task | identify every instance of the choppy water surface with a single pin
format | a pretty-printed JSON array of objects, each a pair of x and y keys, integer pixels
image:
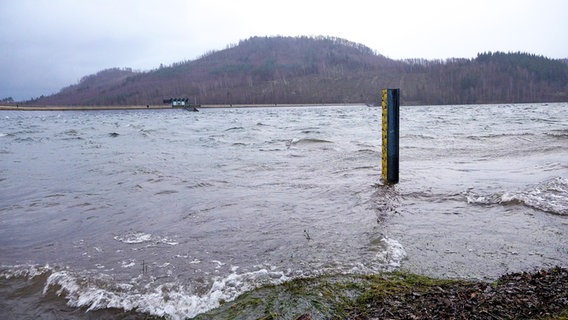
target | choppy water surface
[{"x": 169, "y": 212}]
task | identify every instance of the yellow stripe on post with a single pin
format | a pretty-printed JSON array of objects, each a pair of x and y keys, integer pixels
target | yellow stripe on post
[{"x": 384, "y": 106}]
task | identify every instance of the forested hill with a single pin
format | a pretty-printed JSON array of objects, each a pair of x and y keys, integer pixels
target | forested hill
[{"x": 282, "y": 70}]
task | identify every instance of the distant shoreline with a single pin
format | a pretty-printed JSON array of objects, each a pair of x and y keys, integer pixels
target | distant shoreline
[
  {"x": 161, "y": 107},
  {"x": 220, "y": 106}
]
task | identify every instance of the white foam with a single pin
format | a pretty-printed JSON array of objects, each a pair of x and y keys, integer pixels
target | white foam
[
  {"x": 219, "y": 263},
  {"x": 168, "y": 300},
  {"x": 141, "y": 237},
  {"x": 550, "y": 195},
  {"x": 18, "y": 271},
  {"x": 132, "y": 238},
  {"x": 173, "y": 300},
  {"x": 393, "y": 253},
  {"x": 169, "y": 241}
]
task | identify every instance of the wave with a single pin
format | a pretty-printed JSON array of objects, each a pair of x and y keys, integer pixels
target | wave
[
  {"x": 410, "y": 136},
  {"x": 235, "y": 128},
  {"x": 306, "y": 141},
  {"x": 548, "y": 196},
  {"x": 145, "y": 295},
  {"x": 309, "y": 140},
  {"x": 170, "y": 300},
  {"x": 393, "y": 253},
  {"x": 561, "y": 134},
  {"x": 519, "y": 135},
  {"x": 141, "y": 237}
]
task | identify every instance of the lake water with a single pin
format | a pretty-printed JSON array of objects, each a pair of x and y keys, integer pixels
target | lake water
[{"x": 170, "y": 213}]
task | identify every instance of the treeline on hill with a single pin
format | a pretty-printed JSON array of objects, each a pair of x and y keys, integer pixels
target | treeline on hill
[{"x": 297, "y": 70}]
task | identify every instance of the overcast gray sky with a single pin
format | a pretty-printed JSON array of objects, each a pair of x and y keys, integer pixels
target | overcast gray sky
[{"x": 46, "y": 45}]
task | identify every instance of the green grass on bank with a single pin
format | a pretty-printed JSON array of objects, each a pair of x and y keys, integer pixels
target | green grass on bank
[{"x": 401, "y": 295}]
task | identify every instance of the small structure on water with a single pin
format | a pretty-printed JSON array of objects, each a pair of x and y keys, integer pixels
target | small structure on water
[{"x": 182, "y": 103}]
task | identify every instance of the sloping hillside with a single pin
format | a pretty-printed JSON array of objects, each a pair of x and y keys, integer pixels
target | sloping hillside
[{"x": 276, "y": 70}]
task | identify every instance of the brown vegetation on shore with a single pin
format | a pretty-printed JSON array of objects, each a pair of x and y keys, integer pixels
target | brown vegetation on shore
[
  {"x": 307, "y": 70},
  {"x": 539, "y": 295}
]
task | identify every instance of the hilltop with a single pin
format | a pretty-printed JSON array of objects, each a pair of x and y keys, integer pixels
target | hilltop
[{"x": 298, "y": 70}]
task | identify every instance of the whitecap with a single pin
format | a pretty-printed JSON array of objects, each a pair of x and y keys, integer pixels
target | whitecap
[
  {"x": 550, "y": 195},
  {"x": 169, "y": 300},
  {"x": 219, "y": 263},
  {"x": 169, "y": 241},
  {"x": 132, "y": 238},
  {"x": 25, "y": 271},
  {"x": 392, "y": 254},
  {"x": 474, "y": 198},
  {"x": 141, "y": 237}
]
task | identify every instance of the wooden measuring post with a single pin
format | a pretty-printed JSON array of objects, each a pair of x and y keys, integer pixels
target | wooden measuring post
[{"x": 390, "y": 107}]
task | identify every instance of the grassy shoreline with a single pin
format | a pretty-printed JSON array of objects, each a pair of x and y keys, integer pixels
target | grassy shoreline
[{"x": 541, "y": 294}]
